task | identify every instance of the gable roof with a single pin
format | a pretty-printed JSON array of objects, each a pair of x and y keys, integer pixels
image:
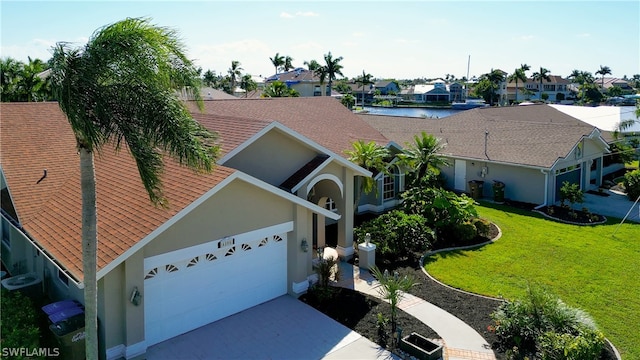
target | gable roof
[
  {"x": 294, "y": 76},
  {"x": 533, "y": 136},
  {"x": 37, "y": 136},
  {"x": 322, "y": 119}
]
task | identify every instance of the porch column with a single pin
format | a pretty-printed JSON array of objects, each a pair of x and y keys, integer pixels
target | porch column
[{"x": 345, "y": 224}]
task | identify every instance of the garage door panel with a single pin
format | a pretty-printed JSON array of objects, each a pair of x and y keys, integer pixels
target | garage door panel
[{"x": 179, "y": 301}]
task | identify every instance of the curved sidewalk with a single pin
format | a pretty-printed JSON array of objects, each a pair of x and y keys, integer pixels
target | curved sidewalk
[{"x": 461, "y": 341}]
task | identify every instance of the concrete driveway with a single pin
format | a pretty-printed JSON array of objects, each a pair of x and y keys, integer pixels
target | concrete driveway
[
  {"x": 615, "y": 205},
  {"x": 283, "y": 328}
]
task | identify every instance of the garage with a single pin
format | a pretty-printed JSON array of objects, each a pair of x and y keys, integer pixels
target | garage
[
  {"x": 192, "y": 287},
  {"x": 570, "y": 174}
]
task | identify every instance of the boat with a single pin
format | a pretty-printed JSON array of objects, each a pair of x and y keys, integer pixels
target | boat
[{"x": 469, "y": 104}]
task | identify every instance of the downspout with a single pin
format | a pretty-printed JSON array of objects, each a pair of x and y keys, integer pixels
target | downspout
[{"x": 546, "y": 189}]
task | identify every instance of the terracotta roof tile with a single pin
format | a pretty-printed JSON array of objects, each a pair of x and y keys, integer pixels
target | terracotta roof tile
[{"x": 36, "y": 136}]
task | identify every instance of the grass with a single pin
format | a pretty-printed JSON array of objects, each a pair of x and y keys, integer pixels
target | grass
[{"x": 585, "y": 266}]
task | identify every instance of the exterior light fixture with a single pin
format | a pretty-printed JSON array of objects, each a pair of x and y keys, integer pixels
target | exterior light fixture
[
  {"x": 135, "y": 297},
  {"x": 304, "y": 245}
]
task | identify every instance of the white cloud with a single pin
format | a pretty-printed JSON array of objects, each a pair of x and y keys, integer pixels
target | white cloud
[
  {"x": 527, "y": 37},
  {"x": 358, "y": 34},
  {"x": 286, "y": 15},
  {"x": 584, "y": 35}
]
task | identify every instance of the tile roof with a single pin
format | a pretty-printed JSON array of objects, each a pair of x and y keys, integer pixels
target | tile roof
[
  {"x": 525, "y": 135},
  {"x": 37, "y": 136},
  {"x": 322, "y": 119}
]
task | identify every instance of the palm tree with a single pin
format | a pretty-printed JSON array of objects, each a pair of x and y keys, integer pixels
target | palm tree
[
  {"x": 234, "y": 72},
  {"x": 495, "y": 77},
  {"x": 519, "y": 74},
  {"x": 372, "y": 157},
  {"x": 287, "y": 63},
  {"x": 543, "y": 74},
  {"x": 423, "y": 156},
  {"x": 277, "y": 60},
  {"x": 604, "y": 70},
  {"x": 247, "y": 84},
  {"x": 364, "y": 80},
  {"x": 332, "y": 68},
  {"x": 10, "y": 70},
  {"x": 279, "y": 89},
  {"x": 312, "y": 65},
  {"x": 393, "y": 288},
  {"x": 103, "y": 89},
  {"x": 322, "y": 73}
]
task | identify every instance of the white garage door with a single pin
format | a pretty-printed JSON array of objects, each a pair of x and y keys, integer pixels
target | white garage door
[{"x": 192, "y": 287}]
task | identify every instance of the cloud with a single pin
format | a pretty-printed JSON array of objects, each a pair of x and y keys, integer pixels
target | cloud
[
  {"x": 287, "y": 15},
  {"x": 584, "y": 35},
  {"x": 527, "y": 37},
  {"x": 357, "y": 34}
]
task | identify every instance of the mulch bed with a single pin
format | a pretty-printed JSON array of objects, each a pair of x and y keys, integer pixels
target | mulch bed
[
  {"x": 568, "y": 215},
  {"x": 359, "y": 312}
]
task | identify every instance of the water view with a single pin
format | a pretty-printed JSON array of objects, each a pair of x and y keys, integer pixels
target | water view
[{"x": 412, "y": 112}]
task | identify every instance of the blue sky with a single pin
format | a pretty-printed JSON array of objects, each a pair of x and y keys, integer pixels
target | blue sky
[{"x": 388, "y": 39}]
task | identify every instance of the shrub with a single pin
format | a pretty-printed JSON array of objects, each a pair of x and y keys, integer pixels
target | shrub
[
  {"x": 443, "y": 209},
  {"x": 632, "y": 184},
  {"x": 542, "y": 326},
  {"x": 483, "y": 227},
  {"x": 463, "y": 233},
  {"x": 398, "y": 234},
  {"x": 327, "y": 269},
  {"x": 571, "y": 193},
  {"x": 19, "y": 321}
]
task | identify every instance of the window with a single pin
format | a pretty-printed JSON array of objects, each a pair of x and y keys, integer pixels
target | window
[
  {"x": 388, "y": 188},
  {"x": 330, "y": 205},
  {"x": 6, "y": 233},
  {"x": 63, "y": 277}
]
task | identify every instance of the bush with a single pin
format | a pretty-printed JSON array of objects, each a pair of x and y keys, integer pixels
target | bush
[
  {"x": 443, "y": 209},
  {"x": 571, "y": 192},
  {"x": 483, "y": 227},
  {"x": 542, "y": 326},
  {"x": 631, "y": 184},
  {"x": 463, "y": 233},
  {"x": 398, "y": 234},
  {"x": 19, "y": 321}
]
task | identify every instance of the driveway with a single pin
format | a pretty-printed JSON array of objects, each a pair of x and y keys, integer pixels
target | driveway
[
  {"x": 283, "y": 328},
  {"x": 615, "y": 205}
]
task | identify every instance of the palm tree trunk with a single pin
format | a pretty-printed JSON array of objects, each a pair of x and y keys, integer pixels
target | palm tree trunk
[
  {"x": 89, "y": 251},
  {"x": 516, "y": 100}
]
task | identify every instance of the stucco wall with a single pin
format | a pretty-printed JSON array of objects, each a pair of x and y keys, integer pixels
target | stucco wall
[
  {"x": 238, "y": 208},
  {"x": 272, "y": 158}
]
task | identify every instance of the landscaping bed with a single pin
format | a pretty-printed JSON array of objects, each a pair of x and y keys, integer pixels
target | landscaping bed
[{"x": 359, "y": 312}]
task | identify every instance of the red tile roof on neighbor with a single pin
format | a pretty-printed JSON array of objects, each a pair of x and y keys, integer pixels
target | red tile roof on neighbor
[
  {"x": 37, "y": 136},
  {"x": 322, "y": 119},
  {"x": 535, "y": 135}
]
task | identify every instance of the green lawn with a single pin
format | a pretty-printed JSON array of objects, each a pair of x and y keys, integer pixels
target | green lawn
[{"x": 585, "y": 266}]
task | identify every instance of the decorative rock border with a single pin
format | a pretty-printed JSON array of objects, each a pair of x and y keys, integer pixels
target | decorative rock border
[{"x": 469, "y": 247}]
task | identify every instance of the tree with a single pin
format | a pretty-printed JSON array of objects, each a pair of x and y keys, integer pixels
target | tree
[
  {"x": 287, "y": 63},
  {"x": 312, "y": 65},
  {"x": 10, "y": 70},
  {"x": 247, "y": 84},
  {"x": 615, "y": 91},
  {"x": 235, "y": 71},
  {"x": 348, "y": 100},
  {"x": 392, "y": 289},
  {"x": 519, "y": 74},
  {"x": 604, "y": 70},
  {"x": 371, "y": 156},
  {"x": 543, "y": 74},
  {"x": 279, "y": 89},
  {"x": 277, "y": 60},
  {"x": 31, "y": 85},
  {"x": 209, "y": 78},
  {"x": 125, "y": 96},
  {"x": 364, "y": 80},
  {"x": 332, "y": 68},
  {"x": 423, "y": 156}
]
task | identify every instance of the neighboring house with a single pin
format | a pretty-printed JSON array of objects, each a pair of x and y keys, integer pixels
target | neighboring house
[
  {"x": 229, "y": 240},
  {"x": 532, "y": 149},
  {"x": 305, "y": 82},
  {"x": 611, "y": 82},
  {"x": 435, "y": 92},
  {"x": 457, "y": 92},
  {"x": 556, "y": 86},
  {"x": 387, "y": 87}
]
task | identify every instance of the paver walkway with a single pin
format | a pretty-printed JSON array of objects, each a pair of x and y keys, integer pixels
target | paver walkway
[{"x": 461, "y": 341}]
